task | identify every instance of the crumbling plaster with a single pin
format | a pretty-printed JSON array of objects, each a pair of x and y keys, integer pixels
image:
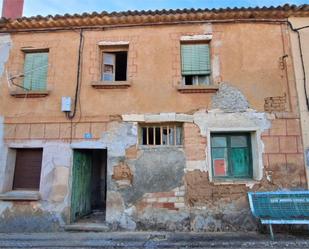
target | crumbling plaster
[{"x": 51, "y": 211}]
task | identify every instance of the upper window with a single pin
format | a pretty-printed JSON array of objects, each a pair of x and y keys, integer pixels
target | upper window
[
  {"x": 35, "y": 71},
  {"x": 114, "y": 64},
  {"x": 231, "y": 155},
  {"x": 161, "y": 134},
  {"x": 195, "y": 64},
  {"x": 27, "y": 172}
]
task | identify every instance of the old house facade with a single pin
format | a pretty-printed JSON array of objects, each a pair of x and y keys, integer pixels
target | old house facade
[{"x": 174, "y": 117}]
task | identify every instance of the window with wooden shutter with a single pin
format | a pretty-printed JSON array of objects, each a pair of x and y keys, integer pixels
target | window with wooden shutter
[
  {"x": 35, "y": 71},
  {"x": 231, "y": 155},
  {"x": 27, "y": 173},
  {"x": 195, "y": 64}
]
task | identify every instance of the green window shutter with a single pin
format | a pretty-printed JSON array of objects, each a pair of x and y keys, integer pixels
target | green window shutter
[
  {"x": 35, "y": 71},
  {"x": 195, "y": 59}
]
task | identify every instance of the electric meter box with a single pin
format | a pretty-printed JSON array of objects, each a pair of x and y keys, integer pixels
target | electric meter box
[{"x": 66, "y": 104}]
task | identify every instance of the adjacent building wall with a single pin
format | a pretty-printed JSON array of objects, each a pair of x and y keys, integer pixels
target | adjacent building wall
[{"x": 299, "y": 74}]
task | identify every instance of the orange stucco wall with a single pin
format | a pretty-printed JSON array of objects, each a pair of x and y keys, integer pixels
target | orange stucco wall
[{"x": 244, "y": 55}]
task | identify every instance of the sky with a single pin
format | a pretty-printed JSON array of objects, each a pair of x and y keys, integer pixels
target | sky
[{"x": 46, "y": 7}]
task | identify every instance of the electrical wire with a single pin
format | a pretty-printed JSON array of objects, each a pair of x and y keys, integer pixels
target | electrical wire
[
  {"x": 301, "y": 58},
  {"x": 71, "y": 115}
]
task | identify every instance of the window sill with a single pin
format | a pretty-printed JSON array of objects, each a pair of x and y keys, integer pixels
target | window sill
[
  {"x": 234, "y": 181},
  {"x": 29, "y": 94},
  {"x": 153, "y": 147},
  {"x": 111, "y": 84},
  {"x": 20, "y": 195},
  {"x": 198, "y": 89}
]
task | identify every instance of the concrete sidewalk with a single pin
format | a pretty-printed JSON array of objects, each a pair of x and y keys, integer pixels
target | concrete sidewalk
[{"x": 151, "y": 240}]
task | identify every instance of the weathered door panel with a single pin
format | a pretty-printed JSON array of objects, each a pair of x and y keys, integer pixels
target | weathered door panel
[{"x": 81, "y": 184}]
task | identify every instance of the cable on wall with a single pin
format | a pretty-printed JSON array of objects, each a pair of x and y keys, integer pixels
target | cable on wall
[{"x": 71, "y": 115}]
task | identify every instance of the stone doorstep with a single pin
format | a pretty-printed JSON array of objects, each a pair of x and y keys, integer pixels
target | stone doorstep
[
  {"x": 87, "y": 227},
  {"x": 20, "y": 195}
]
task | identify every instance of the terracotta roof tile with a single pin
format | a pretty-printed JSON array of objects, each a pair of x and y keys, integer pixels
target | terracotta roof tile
[{"x": 152, "y": 16}]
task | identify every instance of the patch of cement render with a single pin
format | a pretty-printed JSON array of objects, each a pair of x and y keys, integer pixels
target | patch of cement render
[
  {"x": 231, "y": 121},
  {"x": 26, "y": 218},
  {"x": 229, "y": 99},
  {"x": 120, "y": 137},
  {"x": 156, "y": 170},
  {"x": 163, "y": 219}
]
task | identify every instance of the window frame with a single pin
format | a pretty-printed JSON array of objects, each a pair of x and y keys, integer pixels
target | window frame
[
  {"x": 228, "y": 136},
  {"x": 113, "y": 49},
  {"x": 209, "y": 76},
  {"x": 168, "y": 126},
  {"x": 36, "y": 51}
]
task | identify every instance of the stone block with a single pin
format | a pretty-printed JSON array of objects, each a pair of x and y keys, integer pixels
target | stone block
[
  {"x": 22, "y": 131},
  {"x": 296, "y": 159},
  {"x": 81, "y": 129},
  {"x": 300, "y": 146},
  {"x": 65, "y": 131},
  {"x": 265, "y": 160},
  {"x": 293, "y": 127},
  {"x": 276, "y": 161},
  {"x": 9, "y": 131},
  {"x": 97, "y": 129},
  {"x": 37, "y": 131},
  {"x": 288, "y": 144},
  {"x": 52, "y": 131},
  {"x": 278, "y": 127},
  {"x": 271, "y": 144}
]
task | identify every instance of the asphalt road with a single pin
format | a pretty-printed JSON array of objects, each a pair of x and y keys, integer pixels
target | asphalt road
[{"x": 151, "y": 240}]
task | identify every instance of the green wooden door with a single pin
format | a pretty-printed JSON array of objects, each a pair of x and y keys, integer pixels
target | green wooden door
[{"x": 81, "y": 185}]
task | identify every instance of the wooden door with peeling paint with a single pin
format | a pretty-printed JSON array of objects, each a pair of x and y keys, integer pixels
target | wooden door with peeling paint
[{"x": 81, "y": 184}]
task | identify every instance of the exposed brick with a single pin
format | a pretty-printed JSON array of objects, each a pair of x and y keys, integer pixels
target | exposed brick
[
  {"x": 163, "y": 194},
  {"x": 195, "y": 153},
  {"x": 157, "y": 205},
  {"x": 271, "y": 144},
  {"x": 293, "y": 127},
  {"x": 278, "y": 127},
  {"x": 169, "y": 205},
  {"x": 288, "y": 144},
  {"x": 131, "y": 152}
]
